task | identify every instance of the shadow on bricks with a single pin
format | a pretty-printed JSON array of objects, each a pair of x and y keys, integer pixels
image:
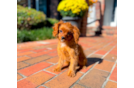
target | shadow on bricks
[{"x": 91, "y": 61}]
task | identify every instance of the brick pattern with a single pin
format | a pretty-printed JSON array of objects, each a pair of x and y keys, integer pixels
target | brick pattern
[
  {"x": 21, "y": 65},
  {"x": 25, "y": 84},
  {"x": 62, "y": 81},
  {"x": 108, "y": 30},
  {"x": 94, "y": 79},
  {"x": 114, "y": 74},
  {"x": 24, "y": 53},
  {"x": 22, "y": 58},
  {"x": 34, "y": 68},
  {"x": 19, "y": 77},
  {"x": 110, "y": 57},
  {"x": 36, "y": 61},
  {"x": 41, "y": 76},
  {"x": 53, "y": 60},
  {"x": 90, "y": 31},
  {"x": 105, "y": 65}
]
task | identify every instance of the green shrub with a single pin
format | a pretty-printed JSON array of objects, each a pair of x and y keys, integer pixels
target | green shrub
[
  {"x": 28, "y": 17},
  {"x": 34, "y": 35},
  {"x": 52, "y": 20}
]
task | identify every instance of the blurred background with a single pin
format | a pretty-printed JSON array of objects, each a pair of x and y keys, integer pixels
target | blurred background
[{"x": 35, "y": 18}]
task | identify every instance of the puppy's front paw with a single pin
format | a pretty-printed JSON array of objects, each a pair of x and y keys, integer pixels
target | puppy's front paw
[
  {"x": 71, "y": 73},
  {"x": 57, "y": 69}
]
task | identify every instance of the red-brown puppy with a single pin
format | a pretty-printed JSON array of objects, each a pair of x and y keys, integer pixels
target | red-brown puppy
[{"x": 69, "y": 50}]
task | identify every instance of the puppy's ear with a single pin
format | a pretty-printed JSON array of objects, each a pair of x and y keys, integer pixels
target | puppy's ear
[
  {"x": 56, "y": 27},
  {"x": 76, "y": 34}
]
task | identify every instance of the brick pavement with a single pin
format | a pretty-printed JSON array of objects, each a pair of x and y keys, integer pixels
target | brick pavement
[{"x": 36, "y": 60}]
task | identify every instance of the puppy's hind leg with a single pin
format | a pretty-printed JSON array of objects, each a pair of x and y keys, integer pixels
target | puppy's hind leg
[{"x": 83, "y": 63}]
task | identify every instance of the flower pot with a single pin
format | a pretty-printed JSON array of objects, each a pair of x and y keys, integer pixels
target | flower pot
[{"x": 73, "y": 20}]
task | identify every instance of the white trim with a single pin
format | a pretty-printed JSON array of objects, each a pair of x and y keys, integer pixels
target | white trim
[{"x": 114, "y": 23}]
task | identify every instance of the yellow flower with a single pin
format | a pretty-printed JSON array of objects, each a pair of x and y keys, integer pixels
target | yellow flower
[{"x": 74, "y": 5}]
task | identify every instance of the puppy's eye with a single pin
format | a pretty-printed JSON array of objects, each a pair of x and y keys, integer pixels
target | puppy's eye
[
  {"x": 68, "y": 33},
  {"x": 60, "y": 31}
]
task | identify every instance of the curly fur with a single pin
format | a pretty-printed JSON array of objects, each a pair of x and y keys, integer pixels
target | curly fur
[{"x": 69, "y": 50}]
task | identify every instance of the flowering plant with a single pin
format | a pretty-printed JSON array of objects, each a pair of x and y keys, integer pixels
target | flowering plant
[
  {"x": 91, "y": 2},
  {"x": 73, "y": 8}
]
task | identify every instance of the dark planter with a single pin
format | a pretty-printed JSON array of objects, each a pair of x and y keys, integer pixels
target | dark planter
[{"x": 73, "y": 20}]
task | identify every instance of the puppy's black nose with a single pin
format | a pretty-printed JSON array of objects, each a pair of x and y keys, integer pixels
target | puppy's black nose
[{"x": 62, "y": 37}]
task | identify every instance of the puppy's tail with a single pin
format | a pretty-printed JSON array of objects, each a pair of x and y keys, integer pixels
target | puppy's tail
[{"x": 84, "y": 67}]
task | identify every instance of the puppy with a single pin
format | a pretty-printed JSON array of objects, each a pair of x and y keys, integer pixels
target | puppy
[{"x": 69, "y": 51}]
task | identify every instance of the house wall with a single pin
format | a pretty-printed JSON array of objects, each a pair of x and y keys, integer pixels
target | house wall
[
  {"x": 91, "y": 16},
  {"x": 25, "y": 3},
  {"x": 109, "y": 23},
  {"x": 22, "y": 2},
  {"x": 49, "y": 7},
  {"x": 52, "y": 8},
  {"x": 108, "y": 12},
  {"x": 96, "y": 26}
]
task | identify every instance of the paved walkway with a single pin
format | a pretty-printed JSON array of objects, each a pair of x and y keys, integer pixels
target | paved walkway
[{"x": 36, "y": 60}]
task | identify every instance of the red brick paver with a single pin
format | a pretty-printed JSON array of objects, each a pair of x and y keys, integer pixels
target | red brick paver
[
  {"x": 22, "y": 58},
  {"x": 24, "y": 53},
  {"x": 41, "y": 87},
  {"x": 53, "y": 60},
  {"x": 111, "y": 84},
  {"x": 39, "y": 50},
  {"x": 105, "y": 65},
  {"x": 34, "y": 68},
  {"x": 41, "y": 76},
  {"x": 21, "y": 65},
  {"x": 110, "y": 57},
  {"x": 101, "y": 52},
  {"x": 94, "y": 79},
  {"x": 19, "y": 77},
  {"x": 63, "y": 81},
  {"x": 25, "y": 50},
  {"x": 36, "y": 61},
  {"x": 114, "y": 74},
  {"x": 37, "y": 54},
  {"x": 25, "y": 84},
  {"x": 78, "y": 86}
]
